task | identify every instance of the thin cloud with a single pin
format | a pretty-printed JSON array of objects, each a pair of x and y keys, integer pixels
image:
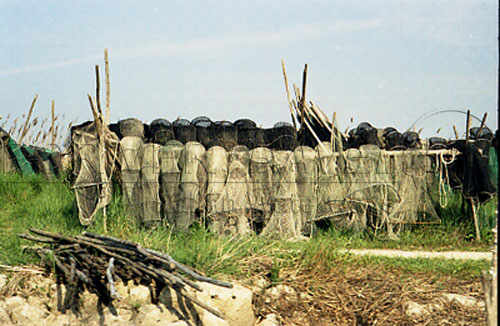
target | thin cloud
[{"x": 49, "y": 66}]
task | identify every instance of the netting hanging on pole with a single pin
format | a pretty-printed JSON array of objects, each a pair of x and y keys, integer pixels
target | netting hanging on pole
[
  {"x": 331, "y": 185},
  {"x": 285, "y": 221},
  {"x": 215, "y": 164},
  {"x": 170, "y": 176},
  {"x": 306, "y": 178},
  {"x": 131, "y": 127},
  {"x": 150, "y": 186},
  {"x": 191, "y": 201},
  {"x": 410, "y": 172},
  {"x": 233, "y": 219},
  {"x": 130, "y": 165},
  {"x": 261, "y": 178}
]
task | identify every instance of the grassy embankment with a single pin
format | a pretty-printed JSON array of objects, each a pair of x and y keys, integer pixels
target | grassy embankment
[{"x": 35, "y": 202}]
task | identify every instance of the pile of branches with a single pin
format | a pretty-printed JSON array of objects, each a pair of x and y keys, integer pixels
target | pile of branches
[
  {"x": 93, "y": 262},
  {"x": 315, "y": 127}
]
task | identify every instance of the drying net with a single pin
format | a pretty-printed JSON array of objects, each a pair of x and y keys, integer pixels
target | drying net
[
  {"x": 191, "y": 200},
  {"x": 285, "y": 221},
  {"x": 170, "y": 176}
]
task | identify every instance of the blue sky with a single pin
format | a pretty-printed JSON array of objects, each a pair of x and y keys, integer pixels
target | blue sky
[{"x": 387, "y": 62}]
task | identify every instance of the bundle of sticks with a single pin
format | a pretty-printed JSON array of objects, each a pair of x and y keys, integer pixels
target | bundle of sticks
[
  {"x": 93, "y": 262},
  {"x": 308, "y": 118}
]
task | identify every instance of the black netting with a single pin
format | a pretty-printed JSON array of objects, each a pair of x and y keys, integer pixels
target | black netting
[
  {"x": 281, "y": 137},
  {"x": 227, "y": 134},
  {"x": 201, "y": 120},
  {"x": 412, "y": 139},
  {"x": 354, "y": 140},
  {"x": 394, "y": 140},
  {"x": 183, "y": 131},
  {"x": 245, "y": 124},
  {"x": 115, "y": 128},
  {"x": 161, "y": 131},
  {"x": 484, "y": 133},
  {"x": 437, "y": 143},
  {"x": 205, "y": 131},
  {"x": 131, "y": 127}
]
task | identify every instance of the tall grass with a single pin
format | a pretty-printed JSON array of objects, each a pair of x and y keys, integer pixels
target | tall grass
[{"x": 33, "y": 201}]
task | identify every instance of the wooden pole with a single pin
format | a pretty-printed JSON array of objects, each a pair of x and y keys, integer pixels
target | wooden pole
[
  {"x": 333, "y": 128},
  {"x": 288, "y": 94},
  {"x": 97, "y": 90},
  {"x": 303, "y": 97},
  {"x": 25, "y": 129},
  {"x": 456, "y": 132},
  {"x": 106, "y": 63},
  {"x": 483, "y": 123},
  {"x": 52, "y": 128},
  {"x": 467, "y": 126}
]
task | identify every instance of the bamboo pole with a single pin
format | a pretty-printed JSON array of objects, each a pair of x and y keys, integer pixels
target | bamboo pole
[
  {"x": 97, "y": 90},
  {"x": 23, "y": 134},
  {"x": 467, "y": 126},
  {"x": 483, "y": 123},
  {"x": 106, "y": 63},
  {"x": 334, "y": 118},
  {"x": 288, "y": 94},
  {"x": 303, "y": 97},
  {"x": 52, "y": 128}
]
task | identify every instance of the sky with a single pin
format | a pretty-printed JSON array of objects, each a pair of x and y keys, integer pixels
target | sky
[{"x": 387, "y": 62}]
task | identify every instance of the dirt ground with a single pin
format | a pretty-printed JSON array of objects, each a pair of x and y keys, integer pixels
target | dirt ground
[{"x": 346, "y": 296}]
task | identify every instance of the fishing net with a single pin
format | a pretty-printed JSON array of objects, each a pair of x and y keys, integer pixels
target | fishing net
[
  {"x": 281, "y": 137},
  {"x": 306, "y": 178},
  {"x": 215, "y": 164},
  {"x": 249, "y": 135},
  {"x": 161, "y": 131},
  {"x": 261, "y": 180},
  {"x": 94, "y": 157},
  {"x": 191, "y": 200},
  {"x": 205, "y": 131},
  {"x": 232, "y": 215},
  {"x": 130, "y": 166},
  {"x": 170, "y": 176},
  {"x": 184, "y": 131},
  {"x": 6, "y": 164},
  {"x": 150, "y": 186},
  {"x": 227, "y": 134},
  {"x": 285, "y": 220},
  {"x": 131, "y": 127}
]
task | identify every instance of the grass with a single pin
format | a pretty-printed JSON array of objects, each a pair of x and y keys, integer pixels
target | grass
[{"x": 35, "y": 202}]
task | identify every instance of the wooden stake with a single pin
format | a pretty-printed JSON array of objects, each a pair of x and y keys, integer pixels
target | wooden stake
[
  {"x": 333, "y": 128},
  {"x": 483, "y": 123},
  {"x": 474, "y": 216},
  {"x": 455, "y": 131},
  {"x": 288, "y": 95},
  {"x": 97, "y": 90},
  {"x": 467, "y": 127},
  {"x": 25, "y": 129},
  {"x": 106, "y": 63},
  {"x": 53, "y": 131},
  {"x": 303, "y": 97}
]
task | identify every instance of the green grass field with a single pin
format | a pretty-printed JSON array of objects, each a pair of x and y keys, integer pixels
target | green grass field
[{"x": 36, "y": 202}]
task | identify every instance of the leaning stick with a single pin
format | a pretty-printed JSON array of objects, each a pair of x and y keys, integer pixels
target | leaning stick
[
  {"x": 455, "y": 131},
  {"x": 52, "y": 128},
  {"x": 483, "y": 123},
  {"x": 25, "y": 129},
  {"x": 106, "y": 63},
  {"x": 303, "y": 97},
  {"x": 288, "y": 94}
]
